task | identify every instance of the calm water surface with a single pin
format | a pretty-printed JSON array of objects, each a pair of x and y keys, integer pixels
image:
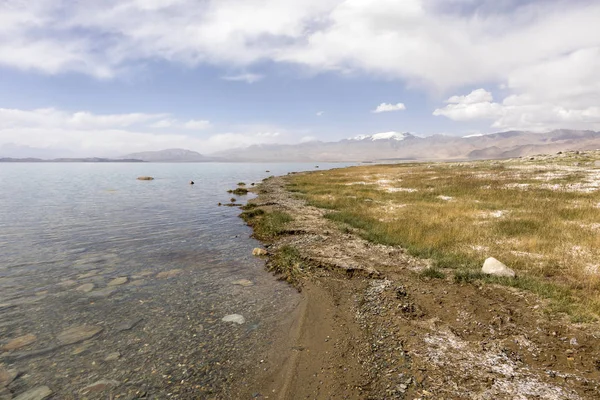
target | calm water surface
[{"x": 67, "y": 231}]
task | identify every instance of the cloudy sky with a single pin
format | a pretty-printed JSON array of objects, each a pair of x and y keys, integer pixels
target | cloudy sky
[{"x": 88, "y": 77}]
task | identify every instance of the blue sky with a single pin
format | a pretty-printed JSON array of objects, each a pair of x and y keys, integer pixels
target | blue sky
[{"x": 112, "y": 77}]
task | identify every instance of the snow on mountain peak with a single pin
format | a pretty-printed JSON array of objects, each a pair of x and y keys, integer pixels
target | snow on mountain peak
[{"x": 383, "y": 136}]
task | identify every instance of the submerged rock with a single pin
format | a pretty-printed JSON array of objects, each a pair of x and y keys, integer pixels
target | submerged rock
[
  {"x": 169, "y": 274},
  {"x": 243, "y": 282},
  {"x": 102, "y": 293},
  {"x": 145, "y": 178},
  {"x": 19, "y": 342},
  {"x": 118, "y": 281},
  {"x": 78, "y": 334},
  {"x": 85, "y": 288},
  {"x": 100, "y": 386},
  {"x": 128, "y": 325},
  {"x": 259, "y": 252},
  {"x": 237, "y": 318},
  {"x": 38, "y": 393},
  {"x": 7, "y": 376},
  {"x": 113, "y": 356},
  {"x": 491, "y": 266}
]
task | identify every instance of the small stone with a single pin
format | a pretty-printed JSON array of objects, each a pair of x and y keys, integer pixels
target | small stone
[
  {"x": 87, "y": 275},
  {"x": 169, "y": 274},
  {"x": 259, "y": 252},
  {"x": 19, "y": 342},
  {"x": 102, "y": 293},
  {"x": 113, "y": 356},
  {"x": 78, "y": 334},
  {"x": 145, "y": 178},
  {"x": 128, "y": 325},
  {"x": 38, "y": 393},
  {"x": 7, "y": 376},
  {"x": 491, "y": 266},
  {"x": 118, "y": 281},
  {"x": 243, "y": 282},
  {"x": 85, "y": 288},
  {"x": 237, "y": 318},
  {"x": 81, "y": 349},
  {"x": 67, "y": 283},
  {"x": 100, "y": 386}
]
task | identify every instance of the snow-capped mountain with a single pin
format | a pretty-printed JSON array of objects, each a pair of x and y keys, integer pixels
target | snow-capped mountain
[{"x": 385, "y": 136}]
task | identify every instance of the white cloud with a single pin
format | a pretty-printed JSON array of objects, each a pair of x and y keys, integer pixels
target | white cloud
[
  {"x": 386, "y": 107},
  {"x": 546, "y": 55},
  {"x": 308, "y": 139},
  {"x": 526, "y": 111},
  {"x": 248, "y": 78},
  {"x": 88, "y": 134},
  {"x": 320, "y": 113},
  {"x": 196, "y": 124}
]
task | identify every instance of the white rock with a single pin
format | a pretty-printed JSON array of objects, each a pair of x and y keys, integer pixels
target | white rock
[
  {"x": 491, "y": 266},
  {"x": 259, "y": 252},
  {"x": 237, "y": 318}
]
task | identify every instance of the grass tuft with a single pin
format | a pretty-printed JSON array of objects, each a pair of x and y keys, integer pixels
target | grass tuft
[{"x": 287, "y": 263}]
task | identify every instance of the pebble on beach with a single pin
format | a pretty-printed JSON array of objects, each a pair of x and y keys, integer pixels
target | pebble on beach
[{"x": 236, "y": 318}]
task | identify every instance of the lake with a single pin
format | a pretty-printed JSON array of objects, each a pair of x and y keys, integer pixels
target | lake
[{"x": 110, "y": 286}]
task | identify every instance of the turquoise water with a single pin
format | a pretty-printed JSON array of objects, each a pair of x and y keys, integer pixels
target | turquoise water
[{"x": 64, "y": 225}]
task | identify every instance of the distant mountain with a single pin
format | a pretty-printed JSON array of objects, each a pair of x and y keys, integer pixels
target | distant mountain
[
  {"x": 405, "y": 146},
  {"x": 170, "y": 155}
]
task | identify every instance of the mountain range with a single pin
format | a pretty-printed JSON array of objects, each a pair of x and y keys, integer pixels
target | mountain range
[
  {"x": 386, "y": 146},
  {"x": 406, "y": 146}
]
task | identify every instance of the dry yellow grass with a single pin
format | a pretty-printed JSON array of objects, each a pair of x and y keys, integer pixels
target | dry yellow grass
[{"x": 541, "y": 217}]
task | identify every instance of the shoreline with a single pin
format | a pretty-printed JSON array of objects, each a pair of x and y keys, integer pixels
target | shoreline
[{"x": 371, "y": 326}]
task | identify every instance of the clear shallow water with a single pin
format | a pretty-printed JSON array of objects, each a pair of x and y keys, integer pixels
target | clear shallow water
[{"x": 65, "y": 225}]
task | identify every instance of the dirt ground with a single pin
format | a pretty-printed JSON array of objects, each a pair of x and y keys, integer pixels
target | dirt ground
[{"x": 371, "y": 327}]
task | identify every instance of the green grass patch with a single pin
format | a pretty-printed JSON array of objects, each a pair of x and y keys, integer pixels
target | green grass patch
[
  {"x": 239, "y": 191},
  {"x": 287, "y": 264},
  {"x": 266, "y": 225},
  {"x": 432, "y": 273},
  {"x": 538, "y": 217}
]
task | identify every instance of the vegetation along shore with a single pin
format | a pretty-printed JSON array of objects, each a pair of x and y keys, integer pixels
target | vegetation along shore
[{"x": 395, "y": 304}]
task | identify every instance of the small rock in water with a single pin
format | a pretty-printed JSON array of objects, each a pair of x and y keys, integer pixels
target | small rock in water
[
  {"x": 169, "y": 274},
  {"x": 145, "y": 178},
  {"x": 113, "y": 356},
  {"x": 259, "y": 252},
  {"x": 100, "y": 386},
  {"x": 7, "y": 376},
  {"x": 85, "y": 288},
  {"x": 128, "y": 325},
  {"x": 106, "y": 292},
  {"x": 237, "y": 318},
  {"x": 491, "y": 266},
  {"x": 78, "y": 334},
  {"x": 118, "y": 281},
  {"x": 19, "y": 342},
  {"x": 82, "y": 349},
  {"x": 87, "y": 275},
  {"x": 67, "y": 283},
  {"x": 38, "y": 393},
  {"x": 243, "y": 282}
]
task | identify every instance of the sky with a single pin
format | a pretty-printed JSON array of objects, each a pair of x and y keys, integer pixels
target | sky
[{"x": 111, "y": 77}]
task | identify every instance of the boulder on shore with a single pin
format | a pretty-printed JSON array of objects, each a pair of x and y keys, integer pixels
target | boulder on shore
[
  {"x": 491, "y": 266},
  {"x": 145, "y": 178}
]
